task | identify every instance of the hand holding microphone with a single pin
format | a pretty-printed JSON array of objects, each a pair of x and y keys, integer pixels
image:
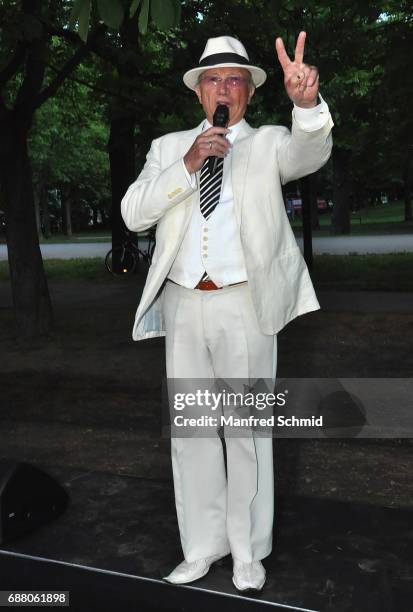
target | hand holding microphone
[
  {"x": 213, "y": 139},
  {"x": 220, "y": 119}
]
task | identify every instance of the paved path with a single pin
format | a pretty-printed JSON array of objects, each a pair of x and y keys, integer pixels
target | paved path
[
  {"x": 343, "y": 245},
  {"x": 336, "y": 245},
  {"x": 68, "y": 250}
]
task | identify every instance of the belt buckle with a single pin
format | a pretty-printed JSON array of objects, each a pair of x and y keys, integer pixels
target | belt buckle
[{"x": 207, "y": 285}]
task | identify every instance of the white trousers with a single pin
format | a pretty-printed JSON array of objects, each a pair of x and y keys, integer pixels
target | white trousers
[{"x": 215, "y": 334}]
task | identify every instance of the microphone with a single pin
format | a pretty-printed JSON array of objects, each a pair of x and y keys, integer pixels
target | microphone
[{"x": 220, "y": 119}]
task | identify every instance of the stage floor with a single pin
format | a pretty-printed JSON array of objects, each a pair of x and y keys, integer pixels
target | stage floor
[{"x": 119, "y": 536}]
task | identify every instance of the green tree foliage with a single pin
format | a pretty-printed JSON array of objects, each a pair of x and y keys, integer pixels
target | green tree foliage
[
  {"x": 165, "y": 14},
  {"x": 31, "y": 73},
  {"x": 68, "y": 147},
  {"x": 361, "y": 49}
]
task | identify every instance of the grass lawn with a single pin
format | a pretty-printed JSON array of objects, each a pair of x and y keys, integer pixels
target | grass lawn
[
  {"x": 383, "y": 219},
  {"x": 390, "y": 272},
  {"x": 92, "y": 268},
  {"x": 92, "y": 236}
]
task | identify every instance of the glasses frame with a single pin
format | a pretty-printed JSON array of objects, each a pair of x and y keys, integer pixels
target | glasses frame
[{"x": 209, "y": 80}]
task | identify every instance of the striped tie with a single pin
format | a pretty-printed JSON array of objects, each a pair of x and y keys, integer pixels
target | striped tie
[
  {"x": 210, "y": 188},
  {"x": 210, "y": 191}
]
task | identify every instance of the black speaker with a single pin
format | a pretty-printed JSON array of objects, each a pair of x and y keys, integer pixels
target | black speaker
[{"x": 29, "y": 498}]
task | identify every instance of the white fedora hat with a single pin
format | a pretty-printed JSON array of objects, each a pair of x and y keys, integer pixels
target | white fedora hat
[{"x": 223, "y": 52}]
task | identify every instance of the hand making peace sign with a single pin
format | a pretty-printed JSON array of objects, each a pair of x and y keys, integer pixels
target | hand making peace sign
[{"x": 301, "y": 81}]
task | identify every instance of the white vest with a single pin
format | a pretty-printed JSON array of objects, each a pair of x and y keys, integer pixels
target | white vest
[{"x": 213, "y": 246}]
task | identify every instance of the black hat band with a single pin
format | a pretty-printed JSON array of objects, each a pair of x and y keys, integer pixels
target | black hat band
[{"x": 223, "y": 58}]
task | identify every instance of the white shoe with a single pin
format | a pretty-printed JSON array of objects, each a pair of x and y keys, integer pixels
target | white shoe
[
  {"x": 188, "y": 572},
  {"x": 248, "y": 576}
]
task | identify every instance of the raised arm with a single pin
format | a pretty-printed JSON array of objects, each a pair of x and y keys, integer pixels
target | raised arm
[
  {"x": 301, "y": 80},
  {"x": 309, "y": 144}
]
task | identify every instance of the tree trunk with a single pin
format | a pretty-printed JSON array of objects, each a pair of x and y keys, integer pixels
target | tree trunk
[
  {"x": 44, "y": 206},
  {"x": 31, "y": 298},
  {"x": 306, "y": 190},
  {"x": 121, "y": 144},
  {"x": 36, "y": 201},
  {"x": 33, "y": 311},
  {"x": 95, "y": 217},
  {"x": 407, "y": 191},
  {"x": 122, "y": 172},
  {"x": 340, "y": 218},
  {"x": 66, "y": 214},
  {"x": 315, "y": 223},
  {"x": 104, "y": 217}
]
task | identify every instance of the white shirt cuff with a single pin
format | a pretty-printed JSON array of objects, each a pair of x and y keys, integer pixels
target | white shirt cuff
[
  {"x": 312, "y": 119},
  {"x": 191, "y": 178}
]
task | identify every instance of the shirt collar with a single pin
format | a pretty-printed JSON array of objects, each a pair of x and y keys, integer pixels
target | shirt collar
[{"x": 234, "y": 129}]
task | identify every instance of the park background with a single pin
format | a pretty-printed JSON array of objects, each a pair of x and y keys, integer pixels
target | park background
[{"x": 84, "y": 88}]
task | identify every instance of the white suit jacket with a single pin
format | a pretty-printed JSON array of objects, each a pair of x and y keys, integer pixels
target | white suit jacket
[{"x": 262, "y": 160}]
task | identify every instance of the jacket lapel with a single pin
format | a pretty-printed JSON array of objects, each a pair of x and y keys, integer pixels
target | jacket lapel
[
  {"x": 182, "y": 220},
  {"x": 187, "y": 138},
  {"x": 239, "y": 165}
]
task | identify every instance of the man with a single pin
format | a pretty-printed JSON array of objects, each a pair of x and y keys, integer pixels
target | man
[{"x": 226, "y": 277}]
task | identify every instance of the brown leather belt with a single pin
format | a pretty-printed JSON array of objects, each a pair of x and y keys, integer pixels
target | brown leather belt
[{"x": 209, "y": 285}]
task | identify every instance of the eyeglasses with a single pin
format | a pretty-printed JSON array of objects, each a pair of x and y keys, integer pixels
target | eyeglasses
[{"x": 233, "y": 82}]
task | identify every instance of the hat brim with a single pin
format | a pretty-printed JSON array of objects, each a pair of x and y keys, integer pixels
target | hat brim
[{"x": 191, "y": 76}]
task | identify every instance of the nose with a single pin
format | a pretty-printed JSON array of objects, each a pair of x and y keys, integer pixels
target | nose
[{"x": 223, "y": 86}]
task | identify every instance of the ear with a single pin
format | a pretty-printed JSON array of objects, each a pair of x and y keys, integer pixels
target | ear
[
  {"x": 198, "y": 93},
  {"x": 251, "y": 93}
]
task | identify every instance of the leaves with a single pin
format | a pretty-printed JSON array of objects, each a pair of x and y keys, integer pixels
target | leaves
[
  {"x": 81, "y": 14},
  {"x": 111, "y": 13},
  {"x": 165, "y": 13},
  {"x": 133, "y": 8},
  {"x": 176, "y": 4},
  {"x": 68, "y": 143},
  {"x": 143, "y": 17}
]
